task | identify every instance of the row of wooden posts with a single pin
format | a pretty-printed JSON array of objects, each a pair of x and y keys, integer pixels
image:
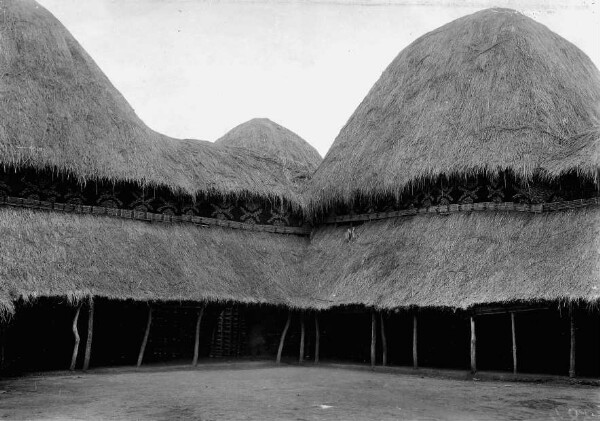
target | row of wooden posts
[
  {"x": 473, "y": 342},
  {"x": 88, "y": 346},
  {"x": 473, "y": 347}
]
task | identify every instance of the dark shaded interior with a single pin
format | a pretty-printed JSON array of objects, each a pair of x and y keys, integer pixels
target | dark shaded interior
[{"x": 39, "y": 336}]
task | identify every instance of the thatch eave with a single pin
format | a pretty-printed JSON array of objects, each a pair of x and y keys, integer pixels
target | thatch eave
[
  {"x": 447, "y": 262},
  {"x": 460, "y": 260},
  {"x": 53, "y": 254}
]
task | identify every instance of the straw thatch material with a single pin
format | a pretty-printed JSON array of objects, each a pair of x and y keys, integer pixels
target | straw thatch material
[
  {"x": 60, "y": 111},
  {"x": 51, "y": 254},
  {"x": 459, "y": 260},
  {"x": 262, "y": 134},
  {"x": 454, "y": 261},
  {"x": 491, "y": 91}
]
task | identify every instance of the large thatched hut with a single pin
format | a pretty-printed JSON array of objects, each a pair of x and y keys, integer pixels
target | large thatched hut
[
  {"x": 466, "y": 183},
  {"x": 97, "y": 207},
  {"x": 461, "y": 197}
]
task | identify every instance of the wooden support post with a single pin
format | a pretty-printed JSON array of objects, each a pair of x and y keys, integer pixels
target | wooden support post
[
  {"x": 514, "y": 341},
  {"x": 383, "y": 341},
  {"x": 145, "y": 340},
  {"x": 473, "y": 347},
  {"x": 317, "y": 337},
  {"x": 415, "y": 359},
  {"x": 572, "y": 352},
  {"x": 2, "y": 341},
  {"x": 197, "y": 338},
  {"x": 282, "y": 340},
  {"x": 2, "y": 355},
  {"x": 302, "y": 332},
  {"x": 76, "y": 336},
  {"x": 373, "y": 337},
  {"x": 88, "y": 342}
]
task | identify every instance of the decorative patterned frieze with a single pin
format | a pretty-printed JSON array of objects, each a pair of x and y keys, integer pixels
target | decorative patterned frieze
[{"x": 43, "y": 186}]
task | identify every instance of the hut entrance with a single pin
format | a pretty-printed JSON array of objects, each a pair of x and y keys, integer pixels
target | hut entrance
[{"x": 229, "y": 335}]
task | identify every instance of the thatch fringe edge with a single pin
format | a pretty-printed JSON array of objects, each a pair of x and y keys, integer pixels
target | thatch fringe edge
[
  {"x": 7, "y": 309},
  {"x": 320, "y": 200}
]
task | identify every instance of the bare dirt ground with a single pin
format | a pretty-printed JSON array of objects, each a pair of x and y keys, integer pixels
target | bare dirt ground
[{"x": 256, "y": 392}]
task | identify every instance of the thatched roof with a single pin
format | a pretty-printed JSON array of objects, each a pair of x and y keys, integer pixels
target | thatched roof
[
  {"x": 51, "y": 254},
  {"x": 454, "y": 261},
  {"x": 60, "y": 111},
  {"x": 262, "y": 134},
  {"x": 491, "y": 91},
  {"x": 459, "y": 260}
]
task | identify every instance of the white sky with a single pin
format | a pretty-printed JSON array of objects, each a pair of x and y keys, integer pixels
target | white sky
[{"x": 195, "y": 69}]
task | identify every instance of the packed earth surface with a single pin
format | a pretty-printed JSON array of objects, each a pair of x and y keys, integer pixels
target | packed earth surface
[{"x": 258, "y": 392}]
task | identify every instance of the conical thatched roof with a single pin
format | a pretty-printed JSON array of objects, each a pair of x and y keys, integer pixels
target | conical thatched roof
[
  {"x": 490, "y": 91},
  {"x": 262, "y": 134},
  {"x": 60, "y": 111}
]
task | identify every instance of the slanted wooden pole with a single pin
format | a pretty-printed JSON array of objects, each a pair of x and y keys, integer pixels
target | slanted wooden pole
[
  {"x": 302, "y": 332},
  {"x": 76, "y": 336},
  {"x": 317, "y": 337},
  {"x": 197, "y": 338},
  {"x": 473, "y": 347},
  {"x": 282, "y": 340},
  {"x": 373, "y": 337},
  {"x": 383, "y": 341},
  {"x": 572, "y": 352},
  {"x": 145, "y": 340},
  {"x": 88, "y": 342},
  {"x": 514, "y": 341},
  {"x": 415, "y": 359}
]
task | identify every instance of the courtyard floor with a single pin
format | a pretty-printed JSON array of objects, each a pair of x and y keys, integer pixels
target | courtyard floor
[{"x": 266, "y": 392}]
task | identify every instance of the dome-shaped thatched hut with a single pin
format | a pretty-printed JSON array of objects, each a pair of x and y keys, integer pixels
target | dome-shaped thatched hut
[
  {"x": 490, "y": 92},
  {"x": 467, "y": 177},
  {"x": 264, "y": 135}
]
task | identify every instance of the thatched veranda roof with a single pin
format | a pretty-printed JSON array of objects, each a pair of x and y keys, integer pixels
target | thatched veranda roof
[
  {"x": 60, "y": 111},
  {"x": 491, "y": 91},
  {"x": 262, "y": 134},
  {"x": 455, "y": 261},
  {"x": 52, "y": 254},
  {"x": 459, "y": 260}
]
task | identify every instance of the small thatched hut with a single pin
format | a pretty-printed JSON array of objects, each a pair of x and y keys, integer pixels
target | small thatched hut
[
  {"x": 466, "y": 180},
  {"x": 264, "y": 135}
]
